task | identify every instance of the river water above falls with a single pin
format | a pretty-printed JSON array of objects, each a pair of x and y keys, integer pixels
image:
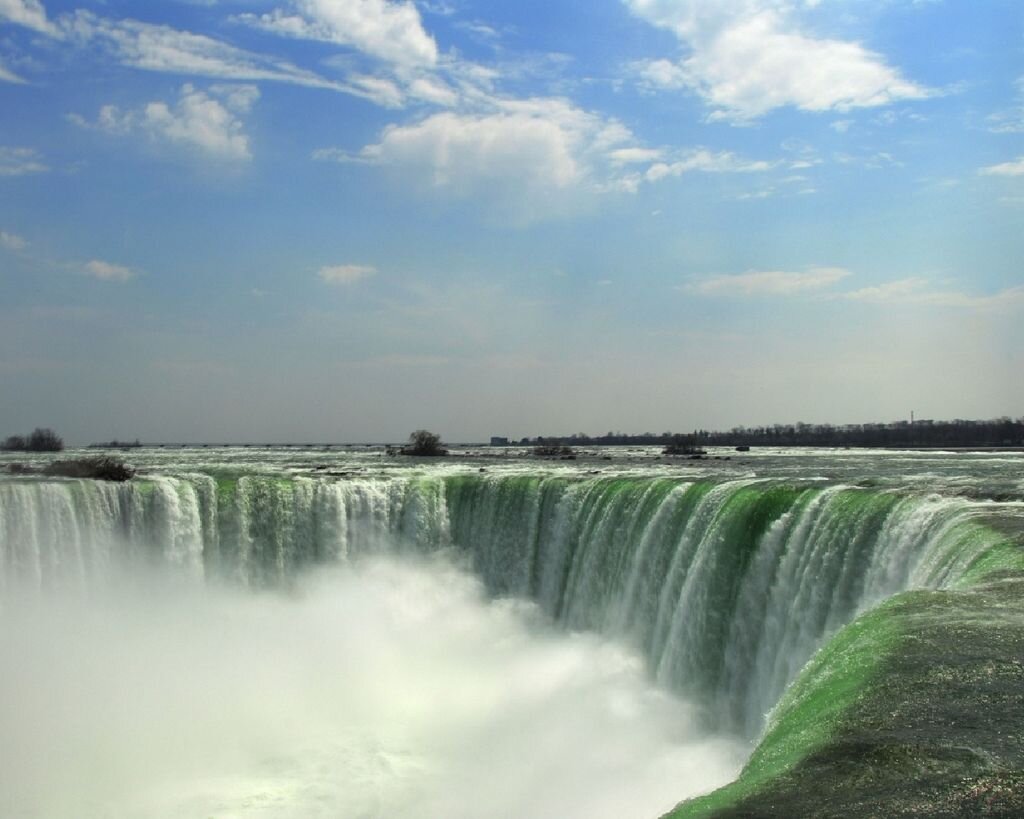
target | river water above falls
[{"x": 283, "y": 632}]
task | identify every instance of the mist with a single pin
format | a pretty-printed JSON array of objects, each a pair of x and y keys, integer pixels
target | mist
[{"x": 388, "y": 688}]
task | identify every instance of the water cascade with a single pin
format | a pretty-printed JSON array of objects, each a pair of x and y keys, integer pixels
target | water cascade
[{"x": 725, "y": 587}]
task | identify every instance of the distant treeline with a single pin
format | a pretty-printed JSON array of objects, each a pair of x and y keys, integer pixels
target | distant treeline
[
  {"x": 942, "y": 434},
  {"x": 116, "y": 444}
]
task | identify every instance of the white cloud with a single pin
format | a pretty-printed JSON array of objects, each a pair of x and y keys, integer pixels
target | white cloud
[
  {"x": 769, "y": 282},
  {"x": 1011, "y": 120},
  {"x": 707, "y": 162},
  {"x": 12, "y": 241},
  {"x": 198, "y": 120},
  {"x": 526, "y": 146},
  {"x": 661, "y": 74},
  {"x": 917, "y": 291},
  {"x": 380, "y": 90},
  {"x": 407, "y": 67},
  {"x": 629, "y": 156},
  {"x": 1014, "y": 168},
  {"x": 346, "y": 273},
  {"x": 433, "y": 90},
  {"x": 29, "y": 13},
  {"x": 531, "y": 157},
  {"x": 748, "y": 57},
  {"x": 20, "y": 161},
  {"x": 153, "y": 47},
  {"x": 390, "y": 31},
  {"x": 105, "y": 271},
  {"x": 6, "y": 75}
]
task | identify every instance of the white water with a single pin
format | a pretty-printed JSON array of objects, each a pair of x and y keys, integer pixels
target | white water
[{"x": 386, "y": 688}]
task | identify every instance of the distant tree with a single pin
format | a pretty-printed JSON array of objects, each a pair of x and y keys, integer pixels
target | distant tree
[
  {"x": 41, "y": 440},
  {"x": 15, "y": 443},
  {"x": 424, "y": 443},
  {"x": 45, "y": 440}
]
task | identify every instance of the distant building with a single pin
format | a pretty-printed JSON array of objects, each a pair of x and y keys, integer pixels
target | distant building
[{"x": 496, "y": 441}]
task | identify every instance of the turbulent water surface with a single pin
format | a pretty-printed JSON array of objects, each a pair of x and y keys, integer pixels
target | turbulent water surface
[{"x": 305, "y": 632}]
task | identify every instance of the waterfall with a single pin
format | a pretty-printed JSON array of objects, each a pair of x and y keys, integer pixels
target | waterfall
[{"x": 725, "y": 587}]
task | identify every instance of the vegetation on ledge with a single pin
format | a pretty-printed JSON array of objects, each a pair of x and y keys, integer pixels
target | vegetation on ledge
[{"x": 100, "y": 468}]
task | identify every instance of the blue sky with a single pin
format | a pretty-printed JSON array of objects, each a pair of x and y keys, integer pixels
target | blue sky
[{"x": 346, "y": 219}]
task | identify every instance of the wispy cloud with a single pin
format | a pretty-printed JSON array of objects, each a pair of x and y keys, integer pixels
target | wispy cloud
[
  {"x": 390, "y": 31},
  {"x": 769, "y": 282},
  {"x": 344, "y": 274},
  {"x": 919, "y": 291},
  {"x": 818, "y": 283},
  {"x": 28, "y": 13},
  {"x": 390, "y": 59},
  {"x": 153, "y": 47},
  {"x": 1010, "y": 120},
  {"x": 105, "y": 271},
  {"x": 6, "y": 75},
  {"x": 749, "y": 57},
  {"x": 12, "y": 241},
  {"x": 706, "y": 161},
  {"x": 207, "y": 122},
  {"x": 20, "y": 161},
  {"x": 1012, "y": 168}
]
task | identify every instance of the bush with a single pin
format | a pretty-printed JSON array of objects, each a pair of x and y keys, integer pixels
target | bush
[
  {"x": 683, "y": 445},
  {"x": 103, "y": 468},
  {"x": 424, "y": 443},
  {"x": 551, "y": 449},
  {"x": 45, "y": 440},
  {"x": 15, "y": 443}
]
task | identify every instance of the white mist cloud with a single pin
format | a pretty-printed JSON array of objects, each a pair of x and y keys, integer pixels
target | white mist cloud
[
  {"x": 346, "y": 273},
  {"x": 770, "y": 282},
  {"x": 749, "y": 57},
  {"x": 386, "y": 688}
]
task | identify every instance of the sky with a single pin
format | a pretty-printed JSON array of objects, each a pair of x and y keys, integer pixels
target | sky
[{"x": 342, "y": 220}]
